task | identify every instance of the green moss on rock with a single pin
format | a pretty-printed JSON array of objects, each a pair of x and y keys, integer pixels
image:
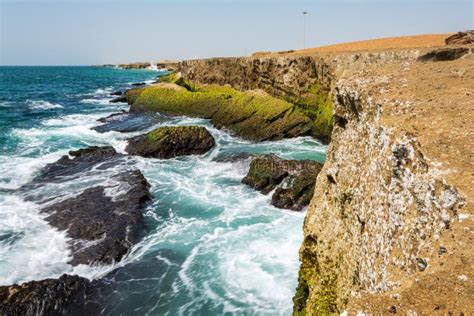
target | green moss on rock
[
  {"x": 172, "y": 141},
  {"x": 316, "y": 292},
  {"x": 253, "y": 115},
  {"x": 133, "y": 94},
  {"x": 318, "y": 105}
]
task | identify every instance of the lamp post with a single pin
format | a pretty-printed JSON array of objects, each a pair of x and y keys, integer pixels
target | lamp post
[{"x": 304, "y": 28}]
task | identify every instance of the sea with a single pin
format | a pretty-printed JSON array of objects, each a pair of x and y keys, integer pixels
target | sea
[{"x": 211, "y": 246}]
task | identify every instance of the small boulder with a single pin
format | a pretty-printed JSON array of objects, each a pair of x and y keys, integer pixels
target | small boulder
[
  {"x": 461, "y": 38},
  {"x": 172, "y": 141},
  {"x": 292, "y": 180}
]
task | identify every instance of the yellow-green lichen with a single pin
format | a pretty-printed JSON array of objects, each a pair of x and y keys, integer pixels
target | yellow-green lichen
[
  {"x": 318, "y": 105},
  {"x": 253, "y": 115},
  {"x": 316, "y": 292}
]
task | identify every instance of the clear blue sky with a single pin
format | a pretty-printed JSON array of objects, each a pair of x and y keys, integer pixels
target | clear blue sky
[{"x": 61, "y": 32}]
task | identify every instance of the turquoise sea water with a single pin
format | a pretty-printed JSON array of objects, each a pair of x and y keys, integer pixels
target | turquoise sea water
[{"x": 211, "y": 245}]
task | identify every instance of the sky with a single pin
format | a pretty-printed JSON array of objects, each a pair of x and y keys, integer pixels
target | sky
[{"x": 85, "y": 32}]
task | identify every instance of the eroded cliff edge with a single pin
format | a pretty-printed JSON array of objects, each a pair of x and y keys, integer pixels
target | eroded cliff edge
[{"x": 389, "y": 228}]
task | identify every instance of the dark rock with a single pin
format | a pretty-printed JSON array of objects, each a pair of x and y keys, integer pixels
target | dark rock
[
  {"x": 83, "y": 160},
  {"x": 120, "y": 99},
  {"x": 392, "y": 309},
  {"x": 293, "y": 180},
  {"x": 461, "y": 38},
  {"x": 422, "y": 264},
  {"x": 442, "y": 250},
  {"x": 172, "y": 141},
  {"x": 111, "y": 116},
  {"x": 445, "y": 54},
  {"x": 232, "y": 157},
  {"x": 128, "y": 122},
  {"x": 103, "y": 226},
  {"x": 118, "y": 92},
  {"x": 68, "y": 295},
  {"x": 138, "y": 84}
]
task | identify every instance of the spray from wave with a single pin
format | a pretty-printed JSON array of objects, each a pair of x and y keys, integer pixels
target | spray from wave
[{"x": 42, "y": 105}]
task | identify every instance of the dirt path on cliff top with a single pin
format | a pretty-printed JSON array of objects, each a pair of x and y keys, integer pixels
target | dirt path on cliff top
[{"x": 433, "y": 101}]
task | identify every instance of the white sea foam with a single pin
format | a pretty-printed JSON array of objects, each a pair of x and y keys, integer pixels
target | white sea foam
[
  {"x": 42, "y": 105},
  {"x": 101, "y": 92},
  {"x": 6, "y": 104},
  {"x": 96, "y": 101},
  {"x": 30, "y": 248}
]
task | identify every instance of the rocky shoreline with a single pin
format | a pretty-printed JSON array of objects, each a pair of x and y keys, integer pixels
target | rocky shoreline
[
  {"x": 104, "y": 221},
  {"x": 380, "y": 210}
]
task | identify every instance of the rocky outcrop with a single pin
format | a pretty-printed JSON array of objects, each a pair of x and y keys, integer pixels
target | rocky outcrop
[
  {"x": 293, "y": 180},
  {"x": 104, "y": 222},
  {"x": 461, "y": 38},
  {"x": 172, "y": 141},
  {"x": 68, "y": 295},
  {"x": 240, "y": 112},
  {"x": 381, "y": 207},
  {"x": 445, "y": 54},
  {"x": 143, "y": 65}
]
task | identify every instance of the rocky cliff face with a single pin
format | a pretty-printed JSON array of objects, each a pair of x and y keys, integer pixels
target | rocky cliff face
[{"x": 389, "y": 227}]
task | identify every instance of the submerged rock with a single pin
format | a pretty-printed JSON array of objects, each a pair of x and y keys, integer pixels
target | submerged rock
[
  {"x": 172, "y": 141},
  {"x": 104, "y": 222},
  {"x": 128, "y": 122},
  {"x": 293, "y": 180},
  {"x": 68, "y": 295}
]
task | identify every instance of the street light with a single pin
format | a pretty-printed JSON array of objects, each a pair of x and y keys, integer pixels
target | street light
[{"x": 304, "y": 28}]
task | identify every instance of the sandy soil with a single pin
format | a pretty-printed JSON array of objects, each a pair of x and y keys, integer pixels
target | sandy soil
[{"x": 415, "y": 41}]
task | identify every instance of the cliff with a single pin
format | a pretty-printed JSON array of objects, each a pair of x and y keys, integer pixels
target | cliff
[{"x": 390, "y": 227}]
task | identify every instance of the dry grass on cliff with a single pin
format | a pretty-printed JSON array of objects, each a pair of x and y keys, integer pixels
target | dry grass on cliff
[{"x": 402, "y": 42}]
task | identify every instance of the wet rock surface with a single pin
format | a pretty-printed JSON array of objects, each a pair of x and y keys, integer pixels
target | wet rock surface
[
  {"x": 293, "y": 180},
  {"x": 128, "y": 122},
  {"x": 82, "y": 160},
  {"x": 68, "y": 295},
  {"x": 104, "y": 222},
  {"x": 119, "y": 99},
  {"x": 172, "y": 141}
]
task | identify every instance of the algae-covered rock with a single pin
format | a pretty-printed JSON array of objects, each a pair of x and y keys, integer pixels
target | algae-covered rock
[
  {"x": 293, "y": 180},
  {"x": 131, "y": 95},
  {"x": 253, "y": 115},
  {"x": 172, "y": 141}
]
